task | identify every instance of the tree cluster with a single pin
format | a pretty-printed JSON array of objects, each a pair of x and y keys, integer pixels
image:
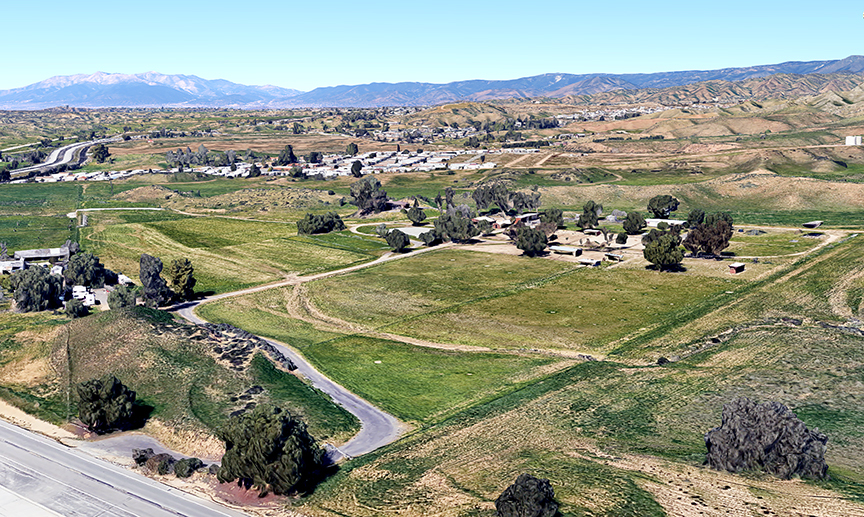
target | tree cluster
[
  {"x": 326, "y": 223},
  {"x": 270, "y": 450},
  {"x": 100, "y": 153},
  {"x": 180, "y": 276},
  {"x": 455, "y": 225},
  {"x": 286, "y": 156},
  {"x": 497, "y": 194},
  {"x": 711, "y": 236},
  {"x": 122, "y": 297}
]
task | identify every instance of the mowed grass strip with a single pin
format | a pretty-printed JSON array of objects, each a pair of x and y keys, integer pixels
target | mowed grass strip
[
  {"x": 385, "y": 293},
  {"x": 582, "y": 310},
  {"x": 417, "y": 383},
  {"x": 227, "y": 254}
]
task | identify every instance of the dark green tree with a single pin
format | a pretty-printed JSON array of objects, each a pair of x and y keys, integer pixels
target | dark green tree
[
  {"x": 314, "y": 157},
  {"x": 187, "y": 466},
  {"x": 416, "y": 215},
  {"x": 270, "y": 450},
  {"x": 254, "y": 171},
  {"x": 286, "y": 156},
  {"x": 664, "y": 251},
  {"x": 122, "y": 297},
  {"x": 553, "y": 216},
  {"x": 662, "y": 206},
  {"x": 312, "y": 223},
  {"x": 5, "y": 175},
  {"x": 352, "y": 149},
  {"x": 430, "y": 238},
  {"x": 453, "y": 225},
  {"x": 527, "y": 497},
  {"x": 100, "y": 153},
  {"x": 712, "y": 219},
  {"x": 367, "y": 197},
  {"x": 357, "y": 169},
  {"x": 525, "y": 201},
  {"x": 76, "y": 309},
  {"x": 634, "y": 223},
  {"x": 156, "y": 292},
  {"x": 36, "y": 289},
  {"x": 588, "y": 218},
  {"x": 695, "y": 217},
  {"x": 85, "y": 269},
  {"x": 621, "y": 238},
  {"x": 182, "y": 279},
  {"x": 104, "y": 406},
  {"x": 532, "y": 242},
  {"x": 397, "y": 240}
]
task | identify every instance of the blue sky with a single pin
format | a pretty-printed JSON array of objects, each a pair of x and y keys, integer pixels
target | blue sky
[{"x": 303, "y": 45}]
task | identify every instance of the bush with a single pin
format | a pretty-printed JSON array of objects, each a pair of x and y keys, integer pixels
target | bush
[
  {"x": 416, "y": 215},
  {"x": 527, "y": 497},
  {"x": 312, "y": 223},
  {"x": 122, "y": 297},
  {"x": 621, "y": 238},
  {"x": 76, "y": 309},
  {"x": 180, "y": 274},
  {"x": 187, "y": 466}
]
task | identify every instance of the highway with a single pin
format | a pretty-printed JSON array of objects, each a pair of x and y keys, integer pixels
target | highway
[
  {"x": 62, "y": 155},
  {"x": 39, "y": 474}
]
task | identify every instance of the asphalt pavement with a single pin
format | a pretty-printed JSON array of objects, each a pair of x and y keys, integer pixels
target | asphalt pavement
[{"x": 42, "y": 476}]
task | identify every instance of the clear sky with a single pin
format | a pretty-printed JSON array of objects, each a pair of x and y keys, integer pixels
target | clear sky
[{"x": 304, "y": 45}]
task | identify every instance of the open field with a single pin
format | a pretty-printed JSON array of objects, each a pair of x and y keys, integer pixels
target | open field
[
  {"x": 483, "y": 354},
  {"x": 227, "y": 254}
]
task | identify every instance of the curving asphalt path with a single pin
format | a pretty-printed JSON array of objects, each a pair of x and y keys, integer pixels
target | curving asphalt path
[{"x": 378, "y": 428}]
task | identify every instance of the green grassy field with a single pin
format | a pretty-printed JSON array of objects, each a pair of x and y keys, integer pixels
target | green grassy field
[
  {"x": 772, "y": 243},
  {"x": 227, "y": 254},
  {"x": 384, "y": 294}
]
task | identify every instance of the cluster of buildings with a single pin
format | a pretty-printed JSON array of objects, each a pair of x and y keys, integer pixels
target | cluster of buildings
[{"x": 424, "y": 134}]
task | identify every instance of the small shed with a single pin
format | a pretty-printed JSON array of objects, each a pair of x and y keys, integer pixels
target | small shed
[
  {"x": 812, "y": 224},
  {"x": 615, "y": 257},
  {"x": 592, "y": 231},
  {"x": 736, "y": 267},
  {"x": 589, "y": 262}
]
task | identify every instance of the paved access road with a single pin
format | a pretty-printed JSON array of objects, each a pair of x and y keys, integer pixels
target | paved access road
[
  {"x": 43, "y": 473},
  {"x": 378, "y": 428}
]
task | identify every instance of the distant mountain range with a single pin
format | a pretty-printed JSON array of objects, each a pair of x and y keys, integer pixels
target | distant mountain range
[{"x": 152, "y": 89}]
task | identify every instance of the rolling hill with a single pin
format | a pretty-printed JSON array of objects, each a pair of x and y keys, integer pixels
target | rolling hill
[{"x": 153, "y": 89}]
